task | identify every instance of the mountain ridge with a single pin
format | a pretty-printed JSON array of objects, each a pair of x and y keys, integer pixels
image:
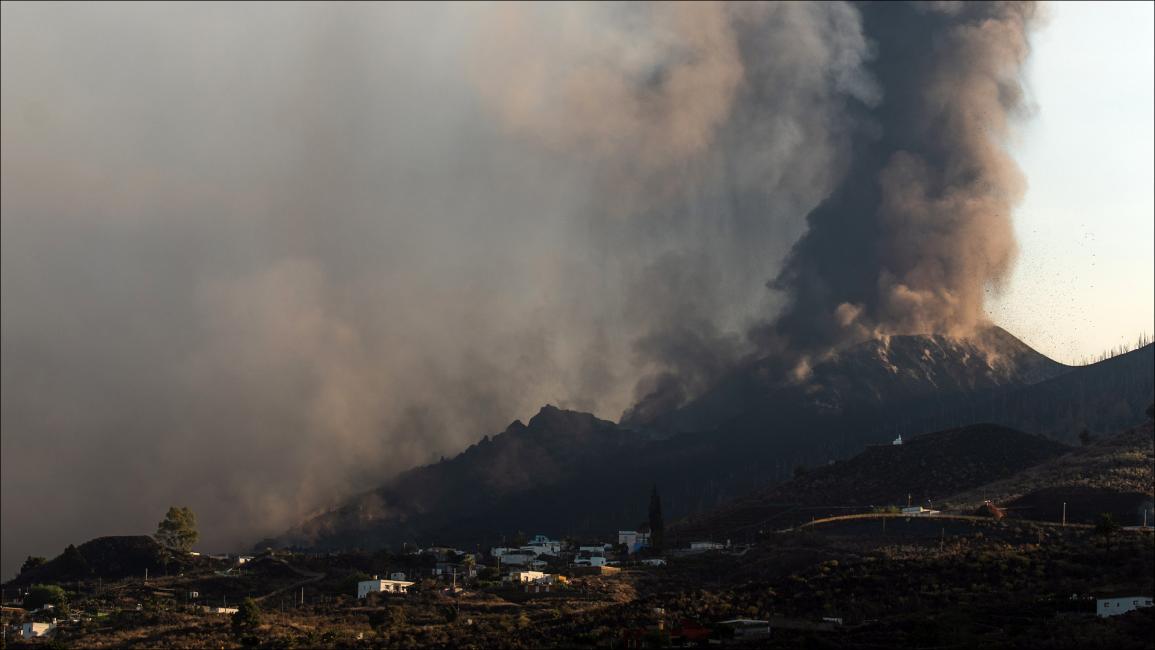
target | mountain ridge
[{"x": 570, "y": 473}]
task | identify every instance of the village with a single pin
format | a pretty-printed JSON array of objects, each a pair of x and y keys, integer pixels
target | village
[
  {"x": 848, "y": 573},
  {"x": 534, "y": 574},
  {"x": 537, "y": 567}
]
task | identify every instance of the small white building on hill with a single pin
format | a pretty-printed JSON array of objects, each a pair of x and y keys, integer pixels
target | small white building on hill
[
  {"x": 542, "y": 545},
  {"x": 37, "y": 630},
  {"x": 1105, "y": 607},
  {"x": 525, "y": 576},
  {"x": 918, "y": 511},
  {"x": 366, "y": 587},
  {"x": 634, "y": 540}
]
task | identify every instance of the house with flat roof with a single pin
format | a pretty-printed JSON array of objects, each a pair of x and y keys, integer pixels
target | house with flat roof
[
  {"x": 633, "y": 540},
  {"x": 366, "y": 587},
  {"x": 1117, "y": 605},
  {"x": 37, "y": 630}
]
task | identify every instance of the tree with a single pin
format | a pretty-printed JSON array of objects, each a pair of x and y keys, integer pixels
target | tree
[
  {"x": 247, "y": 618},
  {"x": 31, "y": 563},
  {"x": 178, "y": 529},
  {"x": 73, "y": 564},
  {"x": 1085, "y": 437},
  {"x": 1107, "y": 527},
  {"x": 41, "y": 595},
  {"x": 657, "y": 525}
]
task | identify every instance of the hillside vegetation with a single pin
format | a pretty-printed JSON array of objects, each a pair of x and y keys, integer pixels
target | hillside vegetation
[
  {"x": 1124, "y": 462},
  {"x": 111, "y": 558},
  {"x": 926, "y": 469}
]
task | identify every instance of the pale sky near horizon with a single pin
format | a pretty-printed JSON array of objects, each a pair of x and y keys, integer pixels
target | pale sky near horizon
[{"x": 1084, "y": 281}]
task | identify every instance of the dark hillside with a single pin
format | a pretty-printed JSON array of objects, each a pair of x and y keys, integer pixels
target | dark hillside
[
  {"x": 1122, "y": 464},
  {"x": 568, "y": 473},
  {"x": 111, "y": 558},
  {"x": 1104, "y": 398},
  {"x": 470, "y": 490},
  {"x": 1084, "y": 505},
  {"x": 927, "y": 468},
  {"x": 860, "y": 379}
]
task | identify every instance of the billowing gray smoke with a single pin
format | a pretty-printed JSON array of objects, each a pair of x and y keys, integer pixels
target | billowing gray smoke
[
  {"x": 920, "y": 229},
  {"x": 256, "y": 257}
]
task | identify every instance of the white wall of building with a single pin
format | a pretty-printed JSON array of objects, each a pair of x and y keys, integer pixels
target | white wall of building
[
  {"x": 35, "y": 630},
  {"x": 1105, "y": 607},
  {"x": 633, "y": 540},
  {"x": 366, "y": 587}
]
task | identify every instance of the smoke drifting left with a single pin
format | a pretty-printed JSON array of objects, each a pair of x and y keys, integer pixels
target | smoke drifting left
[{"x": 256, "y": 257}]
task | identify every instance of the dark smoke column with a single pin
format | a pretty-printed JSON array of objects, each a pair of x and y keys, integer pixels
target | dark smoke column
[{"x": 921, "y": 226}]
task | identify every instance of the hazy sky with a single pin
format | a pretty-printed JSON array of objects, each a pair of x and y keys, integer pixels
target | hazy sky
[
  {"x": 258, "y": 256},
  {"x": 1086, "y": 229}
]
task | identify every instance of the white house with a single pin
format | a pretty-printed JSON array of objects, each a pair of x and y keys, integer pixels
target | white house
[
  {"x": 543, "y": 545},
  {"x": 654, "y": 561},
  {"x": 590, "y": 560},
  {"x": 918, "y": 511},
  {"x": 36, "y": 630},
  {"x": 634, "y": 540},
  {"x": 1105, "y": 607},
  {"x": 209, "y": 609},
  {"x": 897, "y": 441},
  {"x": 525, "y": 576},
  {"x": 706, "y": 546},
  {"x": 366, "y": 587}
]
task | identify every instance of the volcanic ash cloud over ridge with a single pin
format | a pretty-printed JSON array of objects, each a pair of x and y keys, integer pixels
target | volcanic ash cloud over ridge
[{"x": 257, "y": 257}]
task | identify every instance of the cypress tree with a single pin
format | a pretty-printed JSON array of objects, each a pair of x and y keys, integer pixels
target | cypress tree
[{"x": 657, "y": 526}]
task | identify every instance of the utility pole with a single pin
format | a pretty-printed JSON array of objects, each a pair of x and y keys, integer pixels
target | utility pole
[
  {"x": 1064, "y": 513},
  {"x": 146, "y": 575}
]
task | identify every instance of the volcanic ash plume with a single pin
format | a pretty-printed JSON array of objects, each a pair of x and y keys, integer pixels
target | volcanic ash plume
[
  {"x": 258, "y": 257},
  {"x": 921, "y": 227},
  {"x": 261, "y": 256}
]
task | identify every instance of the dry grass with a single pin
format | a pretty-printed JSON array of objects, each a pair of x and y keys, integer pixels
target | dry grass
[{"x": 1122, "y": 463}]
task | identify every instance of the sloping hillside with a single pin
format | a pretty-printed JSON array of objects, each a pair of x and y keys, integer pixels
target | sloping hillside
[
  {"x": 110, "y": 558},
  {"x": 882, "y": 372},
  {"x": 568, "y": 473},
  {"x": 1115, "y": 473},
  {"x": 554, "y": 448},
  {"x": 1104, "y": 397},
  {"x": 926, "y": 469}
]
